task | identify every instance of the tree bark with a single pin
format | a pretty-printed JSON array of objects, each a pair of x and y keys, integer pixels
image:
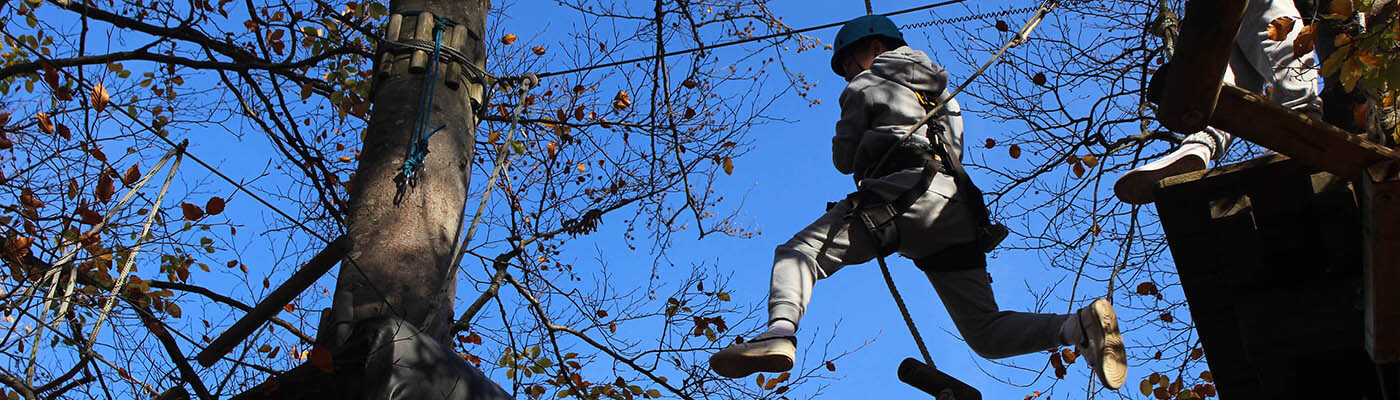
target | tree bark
[{"x": 400, "y": 262}]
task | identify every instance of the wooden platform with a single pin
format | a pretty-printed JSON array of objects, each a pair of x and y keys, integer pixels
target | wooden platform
[{"x": 1270, "y": 259}]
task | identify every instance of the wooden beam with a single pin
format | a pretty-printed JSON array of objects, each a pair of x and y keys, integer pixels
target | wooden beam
[
  {"x": 1380, "y": 220},
  {"x": 1198, "y": 64},
  {"x": 313, "y": 270},
  {"x": 1320, "y": 145}
]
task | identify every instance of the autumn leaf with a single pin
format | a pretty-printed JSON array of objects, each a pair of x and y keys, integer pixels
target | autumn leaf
[
  {"x": 1146, "y": 288},
  {"x": 89, "y": 216},
  {"x": 45, "y": 125},
  {"x": 305, "y": 91},
  {"x": 1306, "y": 41},
  {"x": 689, "y": 83},
  {"x": 214, "y": 206},
  {"x": 132, "y": 175},
  {"x": 1002, "y": 26},
  {"x": 509, "y": 38},
  {"x": 50, "y": 74},
  {"x": 622, "y": 100},
  {"x": 4, "y": 119},
  {"x": 1038, "y": 79},
  {"x": 1090, "y": 160},
  {"x": 728, "y": 165},
  {"x": 1279, "y": 29},
  {"x": 830, "y": 366},
  {"x": 493, "y": 137},
  {"x": 173, "y": 309},
  {"x": 582, "y": 168},
  {"x": 192, "y": 212},
  {"x": 1014, "y": 151},
  {"x": 99, "y": 97},
  {"x": 990, "y": 143},
  {"x": 289, "y": 307},
  {"x": 1079, "y": 170},
  {"x": 1167, "y": 317},
  {"x": 104, "y": 189},
  {"x": 26, "y": 198},
  {"x": 1368, "y": 58},
  {"x": 539, "y": 50}
]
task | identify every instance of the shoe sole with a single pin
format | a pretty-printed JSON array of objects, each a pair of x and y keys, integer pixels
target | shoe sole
[
  {"x": 1113, "y": 361},
  {"x": 1139, "y": 186},
  {"x": 745, "y": 361}
]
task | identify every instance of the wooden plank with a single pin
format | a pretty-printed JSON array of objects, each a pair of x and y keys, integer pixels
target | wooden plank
[
  {"x": 1379, "y": 196},
  {"x": 319, "y": 264},
  {"x": 1252, "y": 117},
  {"x": 1198, "y": 65}
]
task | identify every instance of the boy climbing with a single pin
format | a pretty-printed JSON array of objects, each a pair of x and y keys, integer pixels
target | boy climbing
[{"x": 912, "y": 198}]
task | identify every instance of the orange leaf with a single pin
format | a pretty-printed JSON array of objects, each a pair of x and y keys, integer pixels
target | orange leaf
[
  {"x": 105, "y": 189},
  {"x": 539, "y": 50},
  {"x": 132, "y": 174},
  {"x": 45, "y": 125},
  {"x": 50, "y": 74},
  {"x": 89, "y": 216},
  {"x": 289, "y": 307},
  {"x": 192, "y": 212},
  {"x": 728, "y": 166},
  {"x": 1306, "y": 40},
  {"x": 622, "y": 100},
  {"x": 830, "y": 366},
  {"x": 214, "y": 206},
  {"x": 1279, "y": 29},
  {"x": 509, "y": 38},
  {"x": 26, "y": 198},
  {"x": 99, "y": 97}
]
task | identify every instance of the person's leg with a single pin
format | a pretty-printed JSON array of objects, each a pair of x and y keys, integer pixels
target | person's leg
[
  {"x": 1294, "y": 79},
  {"x": 815, "y": 252},
  {"x": 989, "y": 331}
]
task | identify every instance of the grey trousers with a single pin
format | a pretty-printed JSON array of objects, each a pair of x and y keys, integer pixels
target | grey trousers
[
  {"x": 1257, "y": 60},
  {"x": 934, "y": 222}
]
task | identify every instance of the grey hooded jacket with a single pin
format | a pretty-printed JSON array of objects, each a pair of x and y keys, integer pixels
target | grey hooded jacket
[{"x": 880, "y": 104}]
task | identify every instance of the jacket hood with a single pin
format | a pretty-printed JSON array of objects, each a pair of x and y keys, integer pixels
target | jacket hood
[{"x": 910, "y": 68}]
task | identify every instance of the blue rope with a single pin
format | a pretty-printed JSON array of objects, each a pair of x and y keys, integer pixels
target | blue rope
[{"x": 418, "y": 150}]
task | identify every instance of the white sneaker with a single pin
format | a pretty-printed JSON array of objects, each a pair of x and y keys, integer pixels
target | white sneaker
[
  {"x": 1139, "y": 186},
  {"x": 772, "y": 354},
  {"x": 1103, "y": 344}
]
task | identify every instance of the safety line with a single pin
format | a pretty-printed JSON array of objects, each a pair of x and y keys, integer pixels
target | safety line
[{"x": 742, "y": 41}]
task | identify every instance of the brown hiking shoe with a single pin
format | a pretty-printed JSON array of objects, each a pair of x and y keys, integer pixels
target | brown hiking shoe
[{"x": 773, "y": 354}]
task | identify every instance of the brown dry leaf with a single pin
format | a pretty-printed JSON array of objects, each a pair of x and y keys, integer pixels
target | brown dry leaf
[
  {"x": 1079, "y": 170},
  {"x": 45, "y": 124},
  {"x": 1279, "y": 29},
  {"x": 26, "y": 198},
  {"x": 493, "y": 137},
  {"x": 728, "y": 165},
  {"x": 1090, "y": 160},
  {"x": 990, "y": 143},
  {"x": 1002, "y": 26},
  {"x": 539, "y": 50},
  {"x": 63, "y": 132},
  {"x": 289, "y": 307},
  {"x": 689, "y": 83},
  {"x": 509, "y": 38},
  {"x": 89, "y": 216},
  {"x": 321, "y": 359},
  {"x": 1038, "y": 79},
  {"x": 191, "y": 212},
  {"x": 305, "y": 91},
  {"x": 50, "y": 74},
  {"x": 1014, "y": 151},
  {"x": 132, "y": 174},
  {"x": 104, "y": 189},
  {"x": 1368, "y": 58},
  {"x": 1167, "y": 317},
  {"x": 622, "y": 100},
  {"x": 214, "y": 206},
  {"x": 4, "y": 118},
  {"x": 1306, "y": 41},
  {"x": 99, "y": 97}
]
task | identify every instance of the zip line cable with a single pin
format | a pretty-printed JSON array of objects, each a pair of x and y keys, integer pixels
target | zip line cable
[{"x": 741, "y": 41}]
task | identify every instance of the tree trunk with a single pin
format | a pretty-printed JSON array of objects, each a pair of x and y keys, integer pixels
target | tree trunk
[{"x": 400, "y": 263}]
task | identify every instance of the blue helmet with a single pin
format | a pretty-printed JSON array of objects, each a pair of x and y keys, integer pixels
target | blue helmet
[{"x": 861, "y": 28}]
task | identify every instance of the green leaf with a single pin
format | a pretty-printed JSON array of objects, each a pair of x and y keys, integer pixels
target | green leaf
[
  {"x": 377, "y": 10},
  {"x": 517, "y": 147}
]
